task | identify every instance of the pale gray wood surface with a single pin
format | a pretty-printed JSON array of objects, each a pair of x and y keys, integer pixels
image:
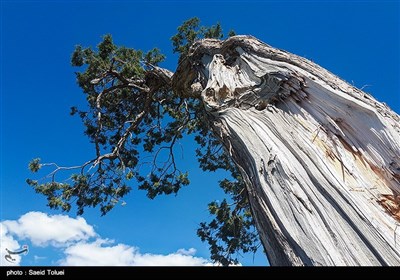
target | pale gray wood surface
[{"x": 321, "y": 159}]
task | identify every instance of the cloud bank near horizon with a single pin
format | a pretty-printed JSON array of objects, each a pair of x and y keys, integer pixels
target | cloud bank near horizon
[{"x": 81, "y": 245}]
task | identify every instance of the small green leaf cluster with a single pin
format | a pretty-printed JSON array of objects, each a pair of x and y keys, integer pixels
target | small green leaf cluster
[
  {"x": 191, "y": 31},
  {"x": 34, "y": 165}
]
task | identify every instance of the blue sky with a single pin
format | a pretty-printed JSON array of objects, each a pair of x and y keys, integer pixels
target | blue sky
[{"x": 357, "y": 40}]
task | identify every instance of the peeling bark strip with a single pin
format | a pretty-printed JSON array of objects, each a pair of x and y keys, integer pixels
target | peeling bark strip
[{"x": 321, "y": 159}]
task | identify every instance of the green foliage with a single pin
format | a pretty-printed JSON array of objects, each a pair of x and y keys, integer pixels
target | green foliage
[
  {"x": 187, "y": 33},
  {"x": 134, "y": 130},
  {"x": 231, "y": 33},
  {"x": 34, "y": 165},
  {"x": 134, "y": 119},
  {"x": 154, "y": 56},
  {"x": 190, "y": 31},
  {"x": 232, "y": 230},
  {"x": 81, "y": 191},
  {"x": 229, "y": 233}
]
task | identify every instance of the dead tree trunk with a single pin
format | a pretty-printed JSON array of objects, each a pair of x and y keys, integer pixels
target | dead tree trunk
[{"x": 321, "y": 159}]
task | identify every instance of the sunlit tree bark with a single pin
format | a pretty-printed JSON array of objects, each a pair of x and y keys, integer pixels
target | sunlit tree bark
[{"x": 320, "y": 158}]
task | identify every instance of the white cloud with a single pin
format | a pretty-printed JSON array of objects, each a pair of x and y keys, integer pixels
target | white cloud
[
  {"x": 81, "y": 245},
  {"x": 97, "y": 254},
  {"x": 102, "y": 252},
  {"x": 8, "y": 242},
  {"x": 174, "y": 259},
  {"x": 42, "y": 229}
]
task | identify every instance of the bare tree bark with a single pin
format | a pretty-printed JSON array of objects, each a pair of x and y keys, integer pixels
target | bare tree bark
[{"x": 321, "y": 159}]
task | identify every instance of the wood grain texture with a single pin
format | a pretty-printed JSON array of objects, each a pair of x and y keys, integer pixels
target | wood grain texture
[{"x": 321, "y": 159}]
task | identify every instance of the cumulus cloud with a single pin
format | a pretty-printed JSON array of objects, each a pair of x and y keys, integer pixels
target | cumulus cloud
[
  {"x": 8, "y": 242},
  {"x": 102, "y": 252},
  {"x": 42, "y": 229},
  {"x": 98, "y": 253},
  {"x": 174, "y": 259},
  {"x": 82, "y": 246}
]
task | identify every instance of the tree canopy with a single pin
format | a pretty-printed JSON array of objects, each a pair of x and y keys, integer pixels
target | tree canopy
[{"x": 134, "y": 118}]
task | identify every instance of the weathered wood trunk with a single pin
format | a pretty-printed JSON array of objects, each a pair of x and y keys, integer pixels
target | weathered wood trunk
[{"x": 321, "y": 159}]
